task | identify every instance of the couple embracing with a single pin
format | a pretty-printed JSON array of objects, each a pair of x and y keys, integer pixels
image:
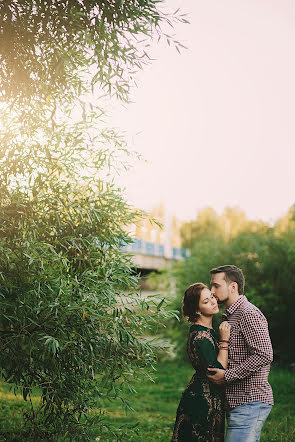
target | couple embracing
[{"x": 232, "y": 369}]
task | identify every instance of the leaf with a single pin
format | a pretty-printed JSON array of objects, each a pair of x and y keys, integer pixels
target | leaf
[{"x": 160, "y": 304}]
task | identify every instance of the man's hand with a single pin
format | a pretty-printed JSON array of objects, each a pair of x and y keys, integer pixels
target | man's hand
[{"x": 218, "y": 377}]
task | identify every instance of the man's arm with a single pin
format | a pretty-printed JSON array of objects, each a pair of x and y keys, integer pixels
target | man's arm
[{"x": 255, "y": 331}]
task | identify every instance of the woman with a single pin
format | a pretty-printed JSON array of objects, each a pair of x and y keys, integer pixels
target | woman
[{"x": 200, "y": 415}]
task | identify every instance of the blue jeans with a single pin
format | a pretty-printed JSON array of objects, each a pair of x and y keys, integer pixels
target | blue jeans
[{"x": 244, "y": 422}]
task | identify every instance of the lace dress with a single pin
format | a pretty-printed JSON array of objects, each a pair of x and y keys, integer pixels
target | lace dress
[{"x": 201, "y": 411}]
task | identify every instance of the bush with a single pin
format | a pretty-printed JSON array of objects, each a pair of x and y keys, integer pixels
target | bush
[
  {"x": 71, "y": 321},
  {"x": 267, "y": 260}
]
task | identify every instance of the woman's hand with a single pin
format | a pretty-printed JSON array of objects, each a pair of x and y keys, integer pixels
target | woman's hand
[
  {"x": 218, "y": 377},
  {"x": 224, "y": 330}
]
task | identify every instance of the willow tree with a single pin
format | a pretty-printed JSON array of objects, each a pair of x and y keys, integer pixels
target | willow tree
[{"x": 65, "y": 327}]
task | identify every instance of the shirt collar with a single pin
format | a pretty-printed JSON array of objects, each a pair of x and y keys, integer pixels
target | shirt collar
[{"x": 234, "y": 306}]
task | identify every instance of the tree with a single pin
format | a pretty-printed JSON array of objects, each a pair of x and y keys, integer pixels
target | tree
[
  {"x": 267, "y": 260},
  {"x": 233, "y": 220},
  {"x": 209, "y": 225},
  {"x": 286, "y": 224},
  {"x": 67, "y": 326},
  {"x": 49, "y": 47},
  {"x": 204, "y": 227}
]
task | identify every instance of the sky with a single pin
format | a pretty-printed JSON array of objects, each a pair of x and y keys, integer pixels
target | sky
[{"x": 216, "y": 123}]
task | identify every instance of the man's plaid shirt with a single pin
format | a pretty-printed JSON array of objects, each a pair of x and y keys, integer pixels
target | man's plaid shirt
[{"x": 250, "y": 355}]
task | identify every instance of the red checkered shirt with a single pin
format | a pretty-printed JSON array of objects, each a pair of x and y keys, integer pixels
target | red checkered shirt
[{"x": 250, "y": 355}]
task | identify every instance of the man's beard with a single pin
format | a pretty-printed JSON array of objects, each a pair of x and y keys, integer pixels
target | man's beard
[{"x": 221, "y": 301}]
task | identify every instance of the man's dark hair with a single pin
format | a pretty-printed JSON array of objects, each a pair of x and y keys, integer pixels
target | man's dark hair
[{"x": 231, "y": 274}]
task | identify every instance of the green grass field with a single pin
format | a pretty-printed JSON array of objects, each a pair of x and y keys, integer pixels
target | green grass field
[
  {"x": 155, "y": 407},
  {"x": 156, "y": 404}
]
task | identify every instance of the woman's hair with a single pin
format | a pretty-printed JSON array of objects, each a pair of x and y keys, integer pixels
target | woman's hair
[{"x": 191, "y": 301}]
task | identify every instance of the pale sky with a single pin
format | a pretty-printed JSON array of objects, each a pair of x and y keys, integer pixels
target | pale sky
[{"x": 216, "y": 124}]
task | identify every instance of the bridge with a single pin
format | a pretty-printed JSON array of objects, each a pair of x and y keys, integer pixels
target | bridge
[{"x": 151, "y": 256}]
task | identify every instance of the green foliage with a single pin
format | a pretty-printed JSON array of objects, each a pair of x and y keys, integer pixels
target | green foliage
[
  {"x": 267, "y": 260},
  {"x": 64, "y": 313},
  {"x": 49, "y": 47},
  {"x": 71, "y": 321},
  {"x": 209, "y": 225}
]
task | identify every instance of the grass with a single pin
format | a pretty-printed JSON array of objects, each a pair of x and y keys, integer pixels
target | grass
[
  {"x": 156, "y": 404},
  {"x": 280, "y": 425},
  {"x": 155, "y": 407},
  {"x": 11, "y": 408}
]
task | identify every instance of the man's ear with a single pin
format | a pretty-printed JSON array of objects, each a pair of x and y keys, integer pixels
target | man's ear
[{"x": 235, "y": 286}]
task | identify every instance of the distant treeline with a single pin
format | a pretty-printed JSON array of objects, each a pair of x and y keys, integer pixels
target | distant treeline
[{"x": 265, "y": 253}]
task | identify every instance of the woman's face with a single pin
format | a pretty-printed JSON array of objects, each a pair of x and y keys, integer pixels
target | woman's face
[{"x": 208, "y": 304}]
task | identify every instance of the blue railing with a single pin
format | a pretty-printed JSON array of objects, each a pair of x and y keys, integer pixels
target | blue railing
[{"x": 140, "y": 247}]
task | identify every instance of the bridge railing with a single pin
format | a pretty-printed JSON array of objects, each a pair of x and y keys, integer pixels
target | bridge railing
[{"x": 141, "y": 247}]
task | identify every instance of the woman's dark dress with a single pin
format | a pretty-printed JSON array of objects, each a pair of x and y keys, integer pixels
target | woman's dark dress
[{"x": 200, "y": 415}]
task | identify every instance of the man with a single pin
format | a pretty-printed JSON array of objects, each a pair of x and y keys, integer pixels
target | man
[{"x": 249, "y": 396}]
